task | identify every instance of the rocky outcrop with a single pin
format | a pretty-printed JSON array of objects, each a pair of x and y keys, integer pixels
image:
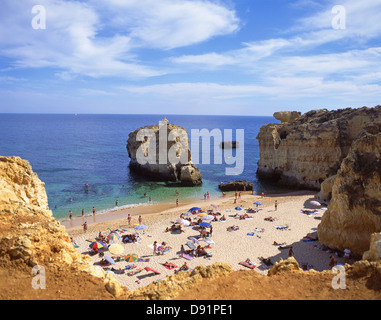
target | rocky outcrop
[
  {"x": 306, "y": 151},
  {"x": 238, "y": 185},
  {"x": 30, "y": 236},
  {"x": 354, "y": 212},
  {"x": 162, "y": 152},
  {"x": 374, "y": 252},
  {"x": 287, "y": 116}
]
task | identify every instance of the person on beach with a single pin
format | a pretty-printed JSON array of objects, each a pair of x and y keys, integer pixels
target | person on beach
[
  {"x": 182, "y": 250},
  {"x": 83, "y": 212},
  {"x": 332, "y": 261},
  {"x": 154, "y": 247},
  {"x": 347, "y": 254},
  {"x": 93, "y": 211},
  {"x": 177, "y": 202},
  {"x": 129, "y": 219},
  {"x": 71, "y": 214},
  {"x": 276, "y": 205},
  {"x": 140, "y": 219},
  {"x": 85, "y": 226},
  {"x": 116, "y": 203},
  {"x": 290, "y": 252},
  {"x": 149, "y": 199}
]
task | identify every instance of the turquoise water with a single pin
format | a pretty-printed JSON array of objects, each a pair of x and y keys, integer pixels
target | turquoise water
[{"x": 68, "y": 151}]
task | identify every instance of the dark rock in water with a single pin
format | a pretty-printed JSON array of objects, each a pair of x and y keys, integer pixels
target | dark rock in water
[
  {"x": 229, "y": 144},
  {"x": 238, "y": 185}
]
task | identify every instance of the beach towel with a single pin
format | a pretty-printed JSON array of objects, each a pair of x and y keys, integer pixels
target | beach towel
[
  {"x": 194, "y": 240},
  {"x": 186, "y": 256},
  {"x": 130, "y": 266},
  {"x": 153, "y": 270},
  {"x": 248, "y": 265},
  {"x": 170, "y": 267},
  {"x": 191, "y": 245},
  {"x": 250, "y": 233},
  {"x": 143, "y": 260}
]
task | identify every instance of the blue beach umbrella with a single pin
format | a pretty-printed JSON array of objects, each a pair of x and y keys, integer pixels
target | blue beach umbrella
[
  {"x": 140, "y": 227},
  {"x": 238, "y": 208},
  {"x": 258, "y": 203},
  {"x": 205, "y": 224},
  {"x": 194, "y": 209}
]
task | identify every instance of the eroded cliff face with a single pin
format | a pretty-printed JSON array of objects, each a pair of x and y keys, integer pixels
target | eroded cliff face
[
  {"x": 30, "y": 236},
  {"x": 306, "y": 150},
  {"x": 354, "y": 212},
  {"x": 164, "y": 149}
]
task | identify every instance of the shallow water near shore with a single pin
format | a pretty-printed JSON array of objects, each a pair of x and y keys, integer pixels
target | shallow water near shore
[{"x": 68, "y": 151}]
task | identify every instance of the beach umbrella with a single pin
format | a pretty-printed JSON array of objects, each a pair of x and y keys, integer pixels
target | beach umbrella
[
  {"x": 202, "y": 214},
  {"x": 109, "y": 259},
  {"x": 194, "y": 209},
  {"x": 116, "y": 248},
  {"x": 187, "y": 214},
  {"x": 140, "y": 227},
  {"x": 258, "y": 203},
  {"x": 205, "y": 224},
  {"x": 207, "y": 217},
  {"x": 131, "y": 257},
  {"x": 113, "y": 237},
  {"x": 97, "y": 245},
  {"x": 315, "y": 203},
  {"x": 238, "y": 208},
  {"x": 183, "y": 222}
]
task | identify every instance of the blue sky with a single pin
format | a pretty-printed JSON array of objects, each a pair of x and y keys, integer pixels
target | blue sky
[{"x": 243, "y": 57}]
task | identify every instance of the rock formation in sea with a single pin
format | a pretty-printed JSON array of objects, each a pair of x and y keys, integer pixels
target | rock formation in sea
[
  {"x": 354, "y": 213},
  {"x": 238, "y": 185},
  {"x": 161, "y": 152},
  {"x": 304, "y": 150}
]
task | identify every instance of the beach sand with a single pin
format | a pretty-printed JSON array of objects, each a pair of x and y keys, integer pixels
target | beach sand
[{"x": 230, "y": 247}]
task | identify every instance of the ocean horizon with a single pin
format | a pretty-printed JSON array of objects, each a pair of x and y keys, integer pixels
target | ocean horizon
[{"x": 68, "y": 151}]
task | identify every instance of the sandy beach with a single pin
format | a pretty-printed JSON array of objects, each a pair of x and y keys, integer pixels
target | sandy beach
[{"x": 254, "y": 238}]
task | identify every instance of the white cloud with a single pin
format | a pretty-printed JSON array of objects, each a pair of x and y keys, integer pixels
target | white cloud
[
  {"x": 168, "y": 24},
  {"x": 82, "y": 39}
]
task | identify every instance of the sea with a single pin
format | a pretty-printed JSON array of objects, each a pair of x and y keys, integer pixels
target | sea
[{"x": 68, "y": 151}]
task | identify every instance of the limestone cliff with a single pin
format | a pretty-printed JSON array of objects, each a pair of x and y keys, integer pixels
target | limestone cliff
[
  {"x": 165, "y": 152},
  {"x": 354, "y": 212},
  {"x": 304, "y": 151},
  {"x": 30, "y": 236}
]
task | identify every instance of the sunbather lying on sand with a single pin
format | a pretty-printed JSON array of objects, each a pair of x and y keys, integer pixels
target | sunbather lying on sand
[
  {"x": 232, "y": 228},
  {"x": 269, "y": 219},
  {"x": 278, "y": 243},
  {"x": 266, "y": 261}
]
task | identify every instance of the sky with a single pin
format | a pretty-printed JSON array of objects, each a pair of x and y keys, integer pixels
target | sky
[{"x": 228, "y": 57}]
